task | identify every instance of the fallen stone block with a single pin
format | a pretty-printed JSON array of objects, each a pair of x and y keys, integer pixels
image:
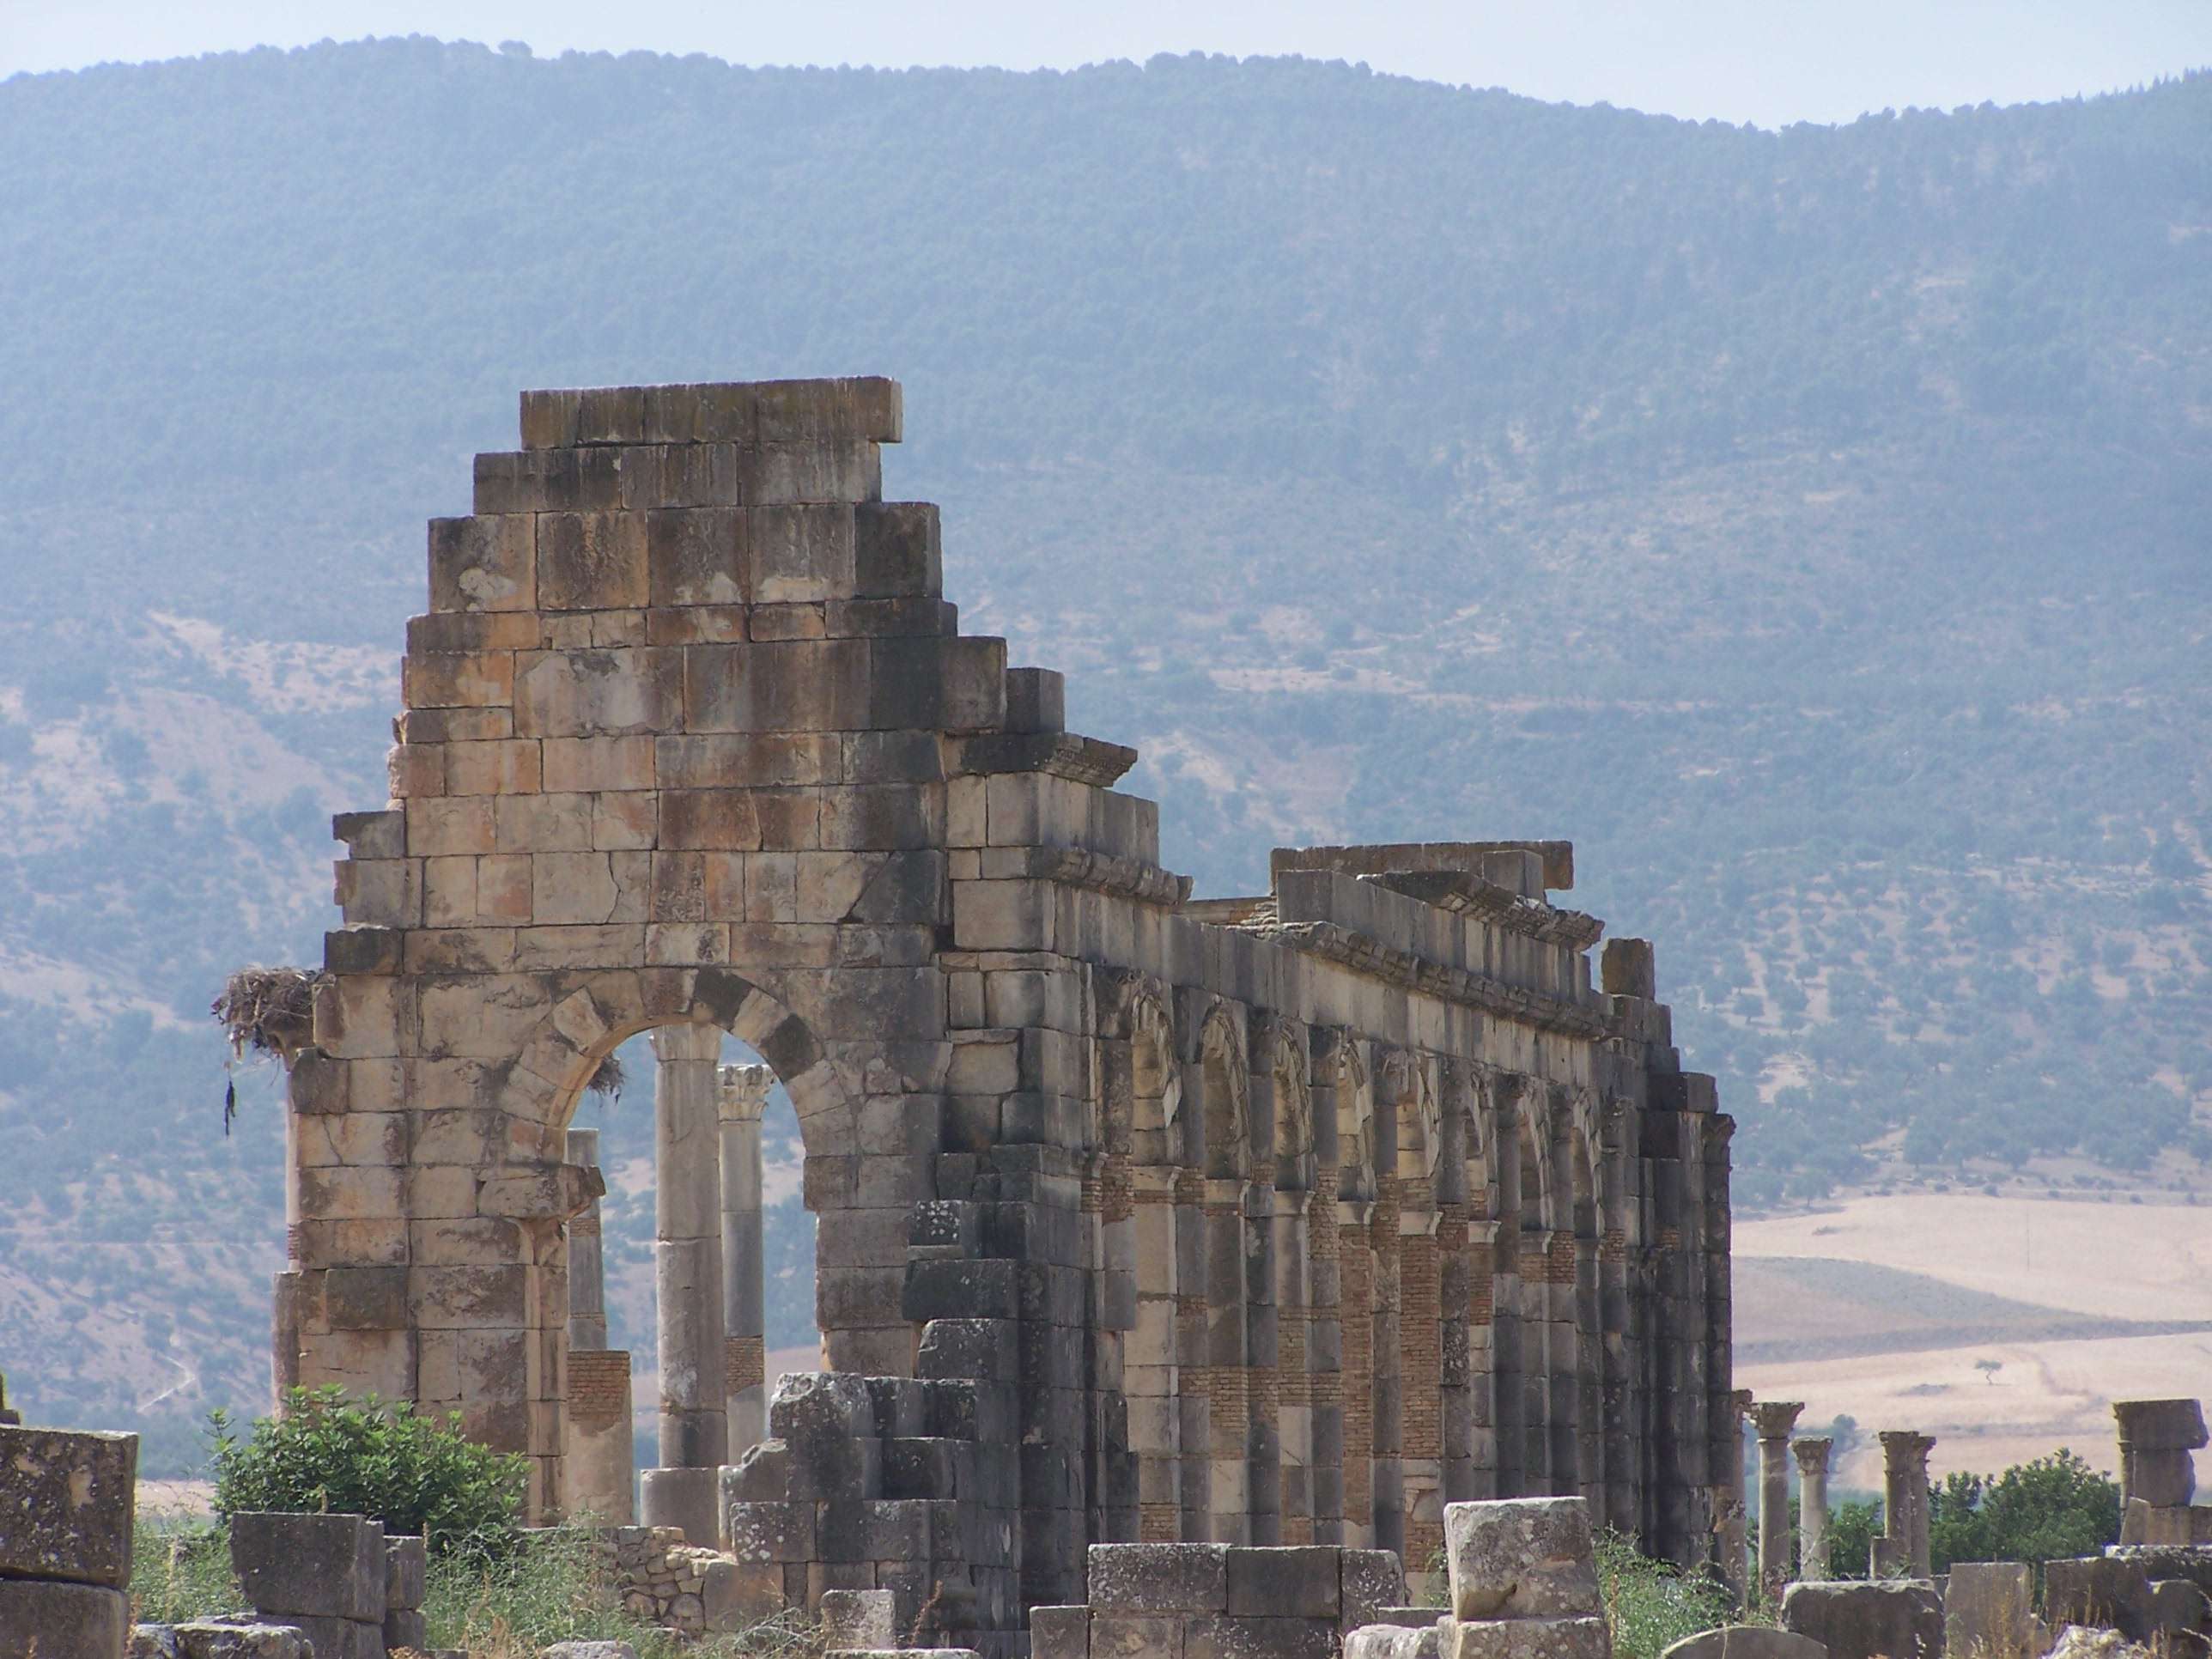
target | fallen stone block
[
  {"x": 857, "y": 1619},
  {"x": 341, "y": 1638},
  {"x": 1368, "y": 1581},
  {"x": 1896, "y": 1620},
  {"x": 1228, "y": 1635},
  {"x": 588, "y": 1651},
  {"x": 1060, "y": 1632},
  {"x": 1526, "y": 1638},
  {"x": 1988, "y": 1610},
  {"x": 2098, "y": 1592},
  {"x": 1746, "y": 1642},
  {"x": 405, "y": 1627},
  {"x": 406, "y": 1567},
  {"x": 216, "y": 1640},
  {"x": 2095, "y": 1642},
  {"x": 322, "y": 1566},
  {"x": 1289, "y": 1582},
  {"x": 1397, "y": 1640},
  {"x": 67, "y": 1503},
  {"x": 1160, "y": 1578},
  {"x": 1522, "y": 1557},
  {"x": 152, "y": 1642},
  {"x": 48, "y": 1620}
]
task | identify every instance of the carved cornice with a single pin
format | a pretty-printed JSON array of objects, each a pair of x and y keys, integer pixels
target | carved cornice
[
  {"x": 1468, "y": 895},
  {"x": 1333, "y": 942},
  {"x": 1063, "y": 754},
  {"x": 1102, "y": 872}
]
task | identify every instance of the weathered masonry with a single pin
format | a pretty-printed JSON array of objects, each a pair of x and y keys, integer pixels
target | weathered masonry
[{"x": 1283, "y": 1219}]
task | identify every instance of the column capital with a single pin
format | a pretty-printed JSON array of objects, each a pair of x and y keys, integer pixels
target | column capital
[
  {"x": 692, "y": 1042},
  {"x": 743, "y": 1093},
  {"x": 1812, "y": 1453},
  {"x": 1906, "y": 1446},
  {"x": 1774, "y": 1418}
]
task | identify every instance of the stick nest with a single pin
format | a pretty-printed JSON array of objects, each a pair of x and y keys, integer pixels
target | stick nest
[
  {"x": 267, "y": 1011},
  {"x": 608, "y": 1078}
]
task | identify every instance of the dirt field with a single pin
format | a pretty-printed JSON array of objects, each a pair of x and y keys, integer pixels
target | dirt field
[{"x": 1889, "y": 1311}]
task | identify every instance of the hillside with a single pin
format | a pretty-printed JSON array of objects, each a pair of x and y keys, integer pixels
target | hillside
[
  {"x": 2006, "y": 1328},
  {"x": 1810, "y": 525}
]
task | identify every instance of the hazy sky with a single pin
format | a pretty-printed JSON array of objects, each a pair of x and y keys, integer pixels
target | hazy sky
[{"x": 1768, "y": 60}]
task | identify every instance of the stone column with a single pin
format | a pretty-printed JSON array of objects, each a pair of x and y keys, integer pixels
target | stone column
[
  {"x": 1773, "y": 1420},
  {"x": 744, "y": 1096},
  {"x": 1812, "y": 1506},
  {"x": 587, "y": 1273},
  {"x": 1903, "y": 1543},
  {"x": 687, "y": 1283},
  {"x": 596, "y": 1436}
]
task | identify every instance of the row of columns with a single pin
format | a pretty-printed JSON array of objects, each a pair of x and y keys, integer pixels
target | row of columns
[
  {"x": 709, "y": 1290},
  {"x": 1904, "y": 1545}
]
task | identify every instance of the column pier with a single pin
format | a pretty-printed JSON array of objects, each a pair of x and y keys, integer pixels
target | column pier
[
  {"x": 1903, "y": 1547},
  {"x": 1773, "y": 1420},
  {"x": 598, "y": 1440},
  {"x": 742, "y": 1097},
  {"x": 687, "y": 1255},
  {"x": 1811, "y": 1454}
]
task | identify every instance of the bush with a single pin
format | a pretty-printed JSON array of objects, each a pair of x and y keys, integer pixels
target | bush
[
  {"x": 1651, "y": 1604},
  {"x": 387, "y": 1461},
  {"x": 1852, "y": 1527},
  {"x": 2051, "y": 1509}
]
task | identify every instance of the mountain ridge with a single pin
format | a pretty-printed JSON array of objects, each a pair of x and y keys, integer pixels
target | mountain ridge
[{"x": 1809, "y": 524}]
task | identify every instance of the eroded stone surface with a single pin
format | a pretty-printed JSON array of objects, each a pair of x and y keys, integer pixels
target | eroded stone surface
[
  {"x": 67, "y": 1502},
  {"x": 1902, "y": 1620}
]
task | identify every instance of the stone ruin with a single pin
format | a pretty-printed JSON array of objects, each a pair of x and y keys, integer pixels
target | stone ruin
[
  {"x": 1279, "y": 1219},
  {"x": 1284, "y": 1219}
]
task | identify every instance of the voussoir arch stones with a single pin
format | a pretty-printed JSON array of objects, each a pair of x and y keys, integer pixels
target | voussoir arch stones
[
  {"x": 1746, "y": 1641},
  {"x": 588, "y": 1016}
]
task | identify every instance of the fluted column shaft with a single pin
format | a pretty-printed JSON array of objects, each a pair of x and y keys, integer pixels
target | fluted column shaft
[
  {"x": 1904, "y": 1497},
  {"x": 687, "y": 1247},
  {"x": 744, "y": 1096}
]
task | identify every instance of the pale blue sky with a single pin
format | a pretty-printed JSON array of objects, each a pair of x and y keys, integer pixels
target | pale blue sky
[{"x": 1767, "y": 61}]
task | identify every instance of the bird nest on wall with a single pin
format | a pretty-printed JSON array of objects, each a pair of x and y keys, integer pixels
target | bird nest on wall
[{"x": 267, "y": 1011}]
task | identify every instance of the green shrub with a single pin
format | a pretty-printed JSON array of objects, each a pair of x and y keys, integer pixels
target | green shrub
[
  {"x": 1651, "y": 1604},
  {"x": 1852, "y": 1528},
  {"x": 414, "y": 1473},
  {"x": 2052, "y": 1508},
  {"x": 180, "y": 1571}
]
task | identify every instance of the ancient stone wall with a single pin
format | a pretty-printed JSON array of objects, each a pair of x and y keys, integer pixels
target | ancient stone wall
[{"x": 1291, "y": 1217}]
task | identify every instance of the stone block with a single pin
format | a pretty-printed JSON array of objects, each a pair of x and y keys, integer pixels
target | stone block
[
  {"x": 1525, "y": 1558},
  {"x": 684, "y": 1498},
  {"x": 316, "y": 1565},
  {"x": 1060, "y": 1632},
  {"x": 2161, "y": 1425},
  {"x": 1117, "y": 1635},
  {"x": 67, "y": 1503},
  {"x": 2165, "y": 1480},
  {"x": 857, "y": 1619},
  {"x": 898, "y": 550},
  {"x": 240, "y": 1635},
  {"x": 588, "y": 1651},
  {"x": 1159, "y": 1577},
  {"x": 405, "y": 1627},
  {"x": 1291, "y": 1582},
  {"x": 1526, "y": 1638},
  {"x": 1750, "y": 1642},
  {"x": 1989, "y": 1612},
  {"x": 482, "y": 563},
  {"x": 1899, "y": 1619},
  {"x": 406, "y": 1562},
  {"x": 340, "y": 1638},
  {"x": 591, "y": 562},
  {"x": 44, "y": 1619},
  {"x": 152, "y": 1642},
  {"x": 1370, "y": 1580},
  {"x": 1227, "y": 1636},
  {"x": 801, "y": 553}
]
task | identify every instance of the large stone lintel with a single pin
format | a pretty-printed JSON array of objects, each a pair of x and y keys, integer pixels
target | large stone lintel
[
  {"x": 1480, "y": 858},
  {"x": 1340, "y": 944},
  {"x": 1468, "y": 895}
]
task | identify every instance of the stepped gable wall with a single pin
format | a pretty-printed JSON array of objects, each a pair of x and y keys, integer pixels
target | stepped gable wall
[{"x": 1300, "y": 1214}]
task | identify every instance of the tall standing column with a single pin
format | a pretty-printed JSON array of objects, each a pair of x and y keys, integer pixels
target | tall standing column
[
  {"x": 1903, "y": 1547},
  {"x": 687, "y": 1254},
  {"x": 1812, "y": 1506},
  {"x": 597, "y": 1433},
  {"x": 743, "y": 1095},
  {"x": 1773, "y": 1420}
]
